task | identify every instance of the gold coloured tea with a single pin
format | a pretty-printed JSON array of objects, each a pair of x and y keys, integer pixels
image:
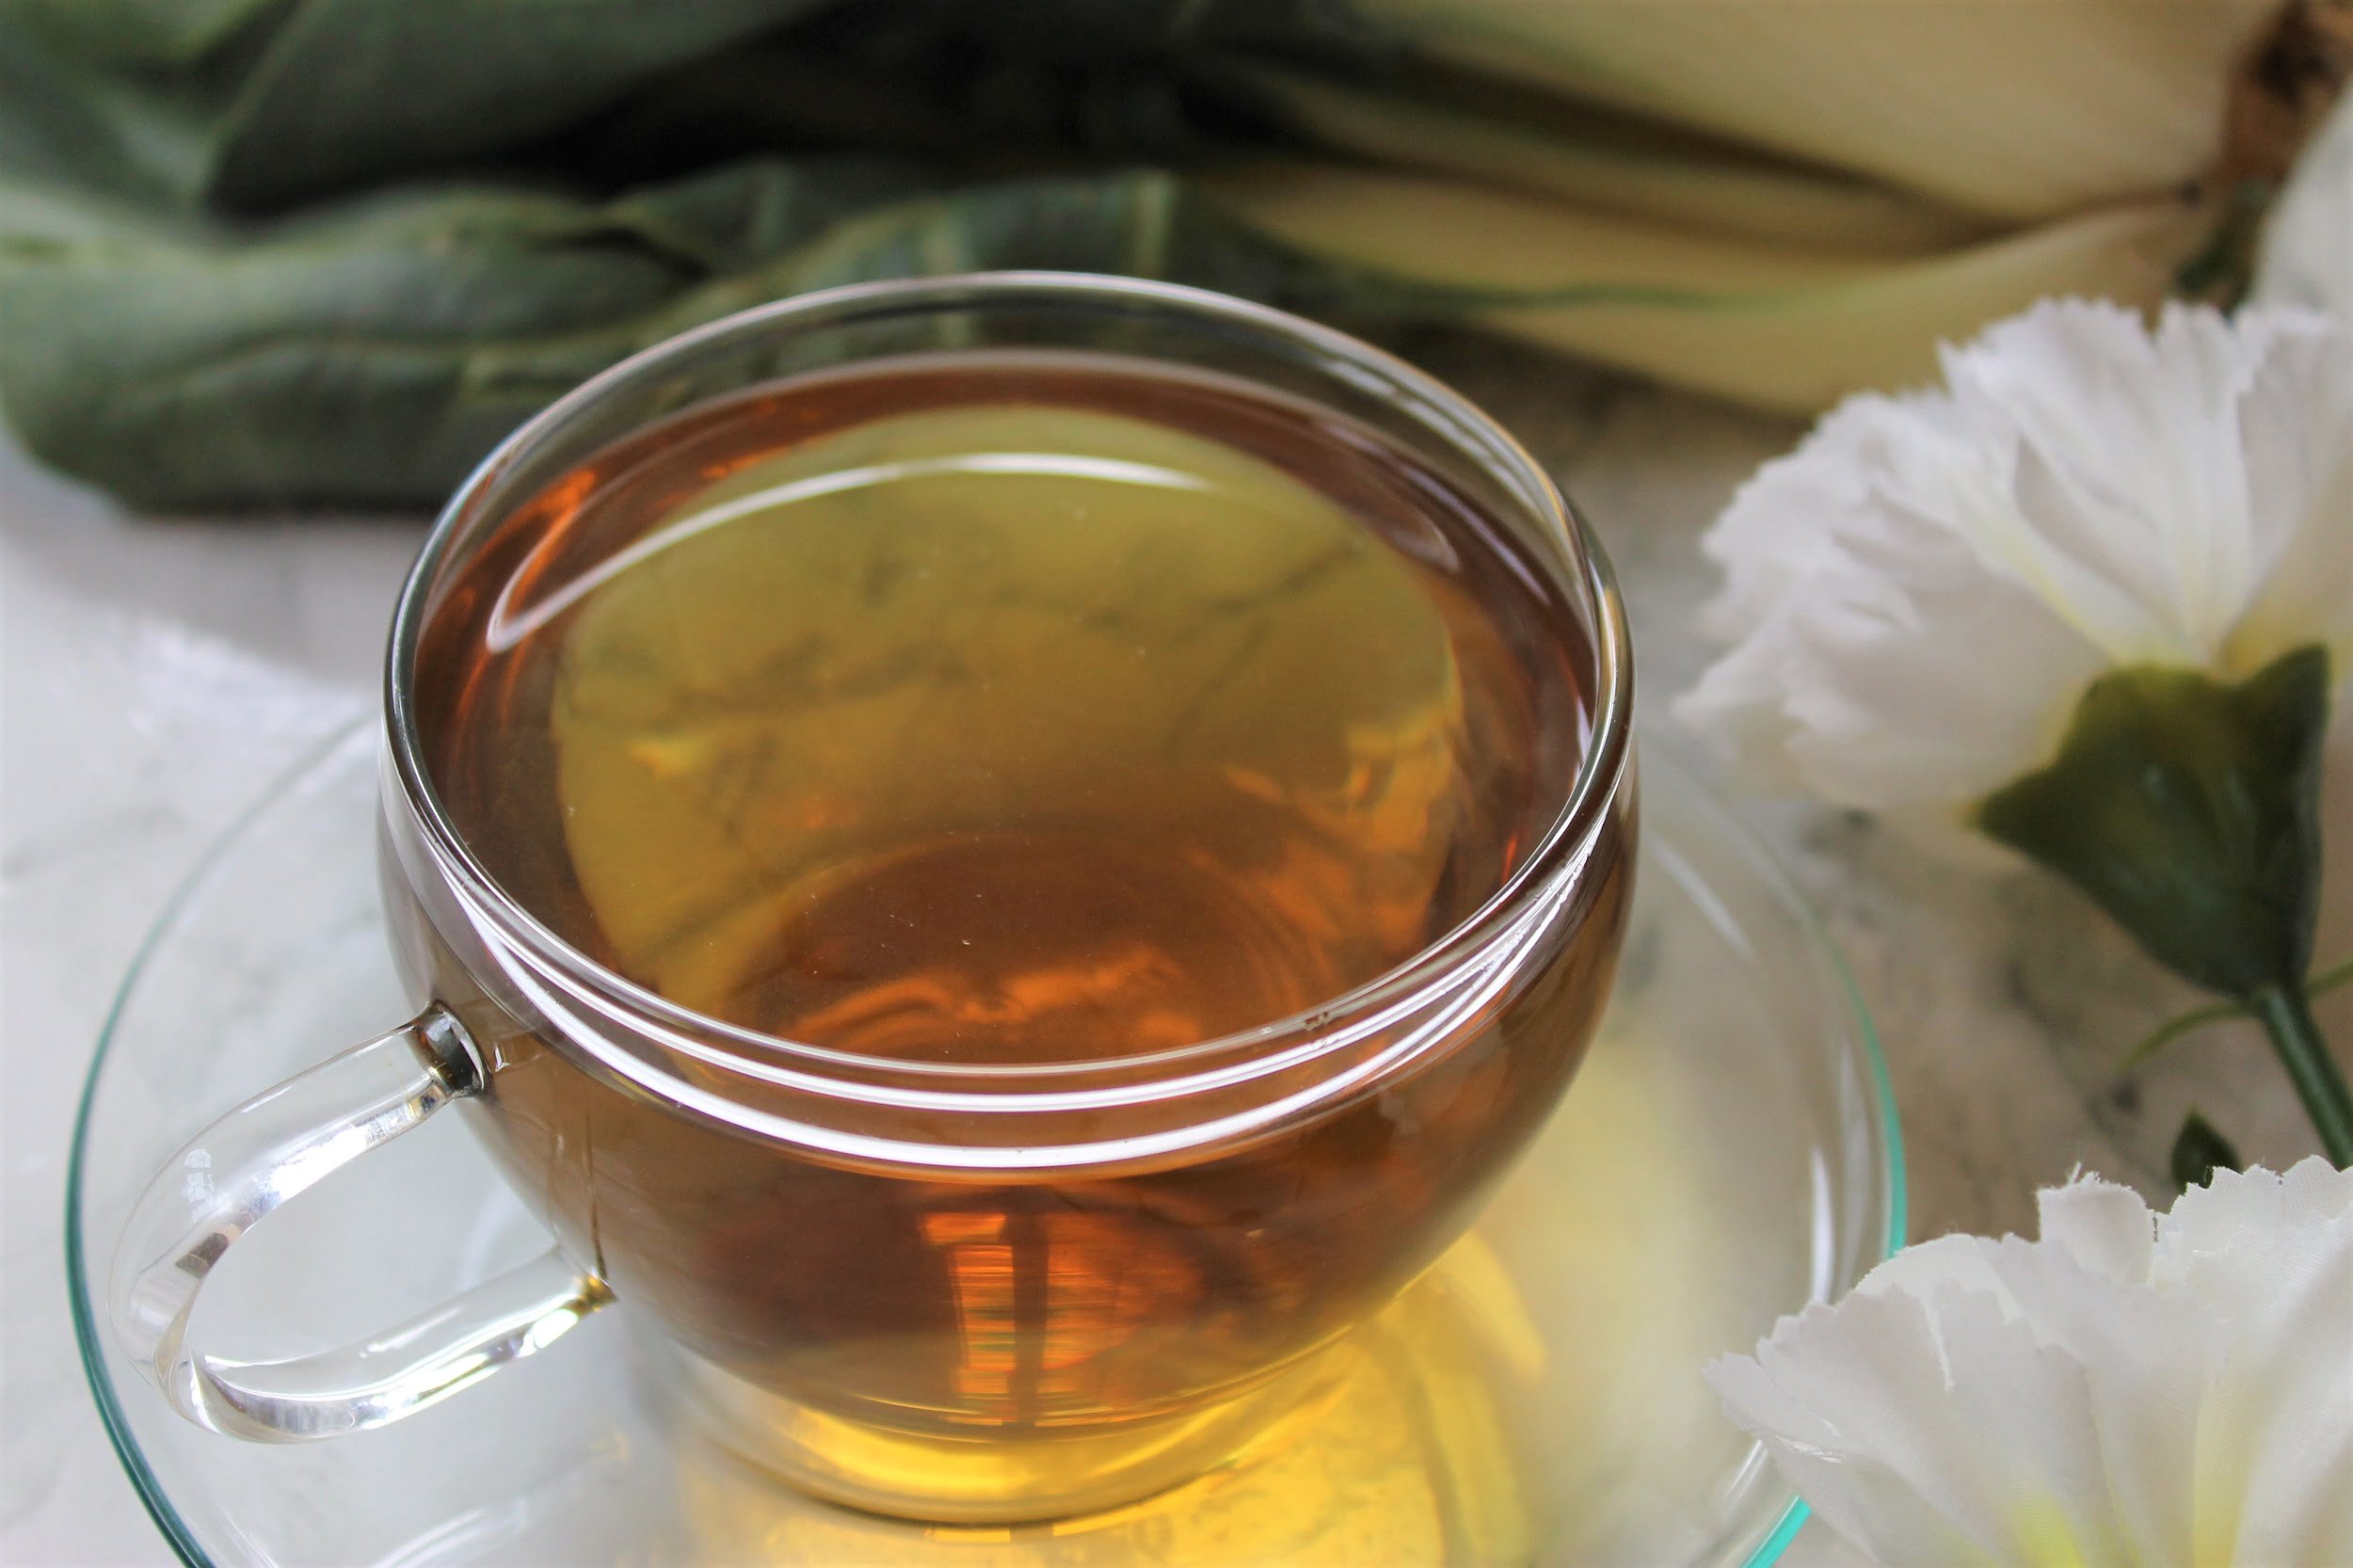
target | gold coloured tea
[
  {"x": 1003, "y": 860},
  {"x": 1015, "y": 711},
  {"x": 1002, "y": 713}
]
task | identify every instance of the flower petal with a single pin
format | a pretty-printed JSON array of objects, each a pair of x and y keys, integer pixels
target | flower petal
[
  {"x": 1913, "y": 676},
  {"x": 1919, "y": 595},
  {"x": 1941, "y": 1430},
  {"x": 2272, "y": 1256},
  {"x": 2121, "y": 1391},
  {"x": 1847, "y": 1401},
  {"x": 1782, "y": 526},
  {"x": 2298, "y": 420},
  {"x": 2082, "y": 1292},
  {"x": 1882, "y": 657},
  {"x": 2085, "y": 1289},
  {"x": 2106, "y": 1228},
  {"x": 2130, "y": 466}
]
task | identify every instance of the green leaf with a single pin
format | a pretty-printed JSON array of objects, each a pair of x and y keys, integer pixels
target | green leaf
[
  {"x": 2221, "y": 1011},
  {"x": 184, "y": 367},
  {"x": 186, "y": 364},
  {"x": 491, "y": 199},
  {"x": 2176, "y": 1027},
  {"x": 2198, "y": 1151},
  {"x": 2189, "y": 808},
  {"x": 349, "y": 90},
  {"x": 55, "y": 126},
  {"x": 370, "y": 353},
  {"x": 746, "y": 214},
  {"x": 145, "y": 34}
]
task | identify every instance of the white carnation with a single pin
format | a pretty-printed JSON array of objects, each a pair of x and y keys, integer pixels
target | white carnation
[
  {"x": 1917, "y": 597},
  {"x": 2118, "y": 1394}
]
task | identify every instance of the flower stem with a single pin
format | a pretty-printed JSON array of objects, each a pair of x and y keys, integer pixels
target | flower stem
[
  {"x": 2215, "y": 1013},
  {"x": 2295, "y": 1036}
]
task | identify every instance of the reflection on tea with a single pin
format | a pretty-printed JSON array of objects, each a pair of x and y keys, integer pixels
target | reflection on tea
[
  {"x": 1012, "y": 725},
  {"x": 1014, "y": 709}
]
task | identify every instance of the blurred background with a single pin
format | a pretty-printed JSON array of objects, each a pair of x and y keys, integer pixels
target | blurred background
[{"x": 305, "y": 253}]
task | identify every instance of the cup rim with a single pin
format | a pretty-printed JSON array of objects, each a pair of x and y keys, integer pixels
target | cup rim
[{"x": 1555, "y": 858}]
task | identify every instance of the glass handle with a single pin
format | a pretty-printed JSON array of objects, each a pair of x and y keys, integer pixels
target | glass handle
[{"x": 232, "y": 1175}]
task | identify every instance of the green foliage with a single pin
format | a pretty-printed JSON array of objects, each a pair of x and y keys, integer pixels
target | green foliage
[
  {"x": 276, "y": 102},
  {"x": 2189, "y": 808},
  {"x": 2198, "y": 1151},
  {"x": 371, "y": 353},
  {"x": 2221, "y": 1011},
  {"x": 502, "y": 197},
  {"x": 327, "y": 252}
]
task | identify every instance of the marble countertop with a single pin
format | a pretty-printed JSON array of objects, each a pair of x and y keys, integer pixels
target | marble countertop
[{"x": 154, "y": 675}]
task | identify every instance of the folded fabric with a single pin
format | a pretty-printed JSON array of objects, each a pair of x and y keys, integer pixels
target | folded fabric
[{"x": 311, "y": 252}]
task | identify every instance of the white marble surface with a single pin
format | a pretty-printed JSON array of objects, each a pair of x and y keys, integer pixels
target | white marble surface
[{"x": 154, "y": 675}]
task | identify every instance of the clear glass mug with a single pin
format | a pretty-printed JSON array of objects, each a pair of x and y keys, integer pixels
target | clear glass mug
[{"x": 948, "y": 1291}]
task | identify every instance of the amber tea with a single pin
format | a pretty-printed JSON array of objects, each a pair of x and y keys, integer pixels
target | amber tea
[
  {"x": 1012, "y": 710},
  {"x": 1002, "y": 713},
  {"x": 999, "y": 892}
]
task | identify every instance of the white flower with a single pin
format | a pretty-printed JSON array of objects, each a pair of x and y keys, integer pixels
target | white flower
[
  {"x": 1919, "y": 595},
  {"x": 2114, "y": 1393},
  {"x": 2307, "y": 244}
]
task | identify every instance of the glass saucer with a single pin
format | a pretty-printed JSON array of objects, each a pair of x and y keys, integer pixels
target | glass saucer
[{"x": 1728, "y": 1153}]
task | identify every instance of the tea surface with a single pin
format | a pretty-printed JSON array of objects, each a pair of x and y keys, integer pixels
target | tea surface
[
  {"x": 1000, "y": 708},
  {"x": 993, "y": 709}
]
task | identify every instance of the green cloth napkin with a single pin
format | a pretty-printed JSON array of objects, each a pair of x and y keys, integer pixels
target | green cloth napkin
[{"x": 326, "y": 252}]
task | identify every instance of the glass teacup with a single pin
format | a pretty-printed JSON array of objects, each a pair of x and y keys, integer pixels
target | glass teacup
[{"x": 1020, "y": 1280}]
